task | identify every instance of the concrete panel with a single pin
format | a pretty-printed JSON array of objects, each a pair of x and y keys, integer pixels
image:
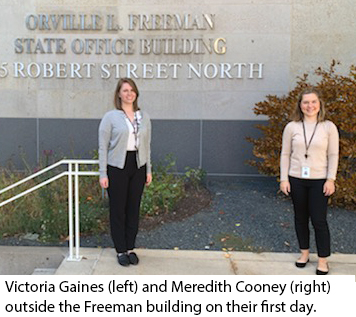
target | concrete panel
[
  {"x": 70, "y": 138},
  {"x": 222, "y": 106},
  {"x": 321, "y": 32},
  {"x": 261, "y": 17},
  {"x": 207, "y": 105},
  {"x": 225, "y": 149},
  {"x": 14, "y": 103},
  {"x": 323, "y": 17},
  {"x": 17, "y": 11},
  {"x": 166, "y": 105},
  {"x": 219, "y": 145},
  {"x": 179, "y": 138},
  {"x": 18, "y": 141},
  {"x": 329, "y": 47},
  {"x": 7, "y": 42},
  {"x": 72, "y": 104}
]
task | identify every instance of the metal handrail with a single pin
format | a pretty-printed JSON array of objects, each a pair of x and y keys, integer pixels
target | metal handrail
[
  {"x": 33, "y": 188},
  {"x": 70, "y": 173}
]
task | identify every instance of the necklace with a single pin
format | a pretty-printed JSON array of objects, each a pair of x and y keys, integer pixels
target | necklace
[
  {"x": 307, "y": 145},
  {"x": 134, "y": 125}
]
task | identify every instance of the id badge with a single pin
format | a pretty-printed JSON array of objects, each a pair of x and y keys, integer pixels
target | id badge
[{"x": 305, "y": 172}]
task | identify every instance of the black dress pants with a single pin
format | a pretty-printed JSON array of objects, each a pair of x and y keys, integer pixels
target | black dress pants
[
  {"x": 125, "y": 191},
  {"x": 309, "y": 201}
]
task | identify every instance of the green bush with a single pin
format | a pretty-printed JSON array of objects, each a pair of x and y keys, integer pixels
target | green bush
[
  {"x": 165, "y": 190},
  {"x": 339, "y": 94},
  {"x": 195, "y": 177}
]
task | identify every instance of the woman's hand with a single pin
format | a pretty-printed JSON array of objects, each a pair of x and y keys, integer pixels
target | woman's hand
[
  {"x": 285, "y": 187},
  {"x": 329, "y": 187},
  {"x": 148, "y": 179},
  {"x": 104, "y": 182}
]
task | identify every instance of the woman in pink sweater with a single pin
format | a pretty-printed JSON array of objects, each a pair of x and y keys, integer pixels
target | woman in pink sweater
[{"x": 309, "y": 161}]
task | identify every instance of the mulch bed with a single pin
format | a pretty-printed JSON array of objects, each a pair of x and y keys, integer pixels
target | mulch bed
[{"x": 195, "y": 200}]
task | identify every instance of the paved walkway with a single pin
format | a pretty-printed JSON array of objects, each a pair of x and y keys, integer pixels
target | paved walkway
[
  {"x": 98, "y": 261},
  {"x": 172, "y": 262}
]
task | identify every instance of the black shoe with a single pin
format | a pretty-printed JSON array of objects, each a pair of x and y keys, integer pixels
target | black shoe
[
  {"x": 123, "y": 259},
  {"x": 133, "y": 258},
  {"x": 301, "y": 264},
  {"x": 318, "y": 272}
]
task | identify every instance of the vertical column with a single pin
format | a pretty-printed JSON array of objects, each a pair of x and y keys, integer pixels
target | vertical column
[
  {"x": 70, "y": 211},
  {"x": 76, "y": 194},
  {"x": 201, "y": 145},
  {"x": 38, "y": 155}
]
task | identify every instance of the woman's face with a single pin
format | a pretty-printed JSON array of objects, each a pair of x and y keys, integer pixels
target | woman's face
[
  {"x": 127, "y": 94},
  {"x": 310, "y": 105}
]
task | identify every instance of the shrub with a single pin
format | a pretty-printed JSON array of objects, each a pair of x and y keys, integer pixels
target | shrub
[
  {"x": 165, "y": 190},
  {"x": 195, "y": 177},
  {"x": 339, "y": 94}
]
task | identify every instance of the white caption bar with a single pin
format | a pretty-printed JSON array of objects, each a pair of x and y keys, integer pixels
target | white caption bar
[{"x": 172, "y": 296}]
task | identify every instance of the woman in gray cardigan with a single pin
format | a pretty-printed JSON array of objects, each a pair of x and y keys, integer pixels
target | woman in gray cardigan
[{"x": 125, "y": 166}]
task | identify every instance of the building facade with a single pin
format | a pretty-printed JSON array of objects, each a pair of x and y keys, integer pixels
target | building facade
[{"x": 200, "y": 68}]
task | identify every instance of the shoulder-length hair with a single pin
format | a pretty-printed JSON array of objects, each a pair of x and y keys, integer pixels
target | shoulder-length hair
[
  {"x": 298, "y": 115},
  {"x": 117, "y": 99}
]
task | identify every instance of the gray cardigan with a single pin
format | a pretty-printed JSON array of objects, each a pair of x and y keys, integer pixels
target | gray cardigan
[{"x": 113, "y": 139}]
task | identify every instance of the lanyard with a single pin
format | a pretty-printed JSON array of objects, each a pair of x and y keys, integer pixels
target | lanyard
[
  {"x": 305, "y": 139},
  {"x": 134, "y": 125}
]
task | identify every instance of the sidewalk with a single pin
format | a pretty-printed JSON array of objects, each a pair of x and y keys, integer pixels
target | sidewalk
[
  {"x": 102, "y": 261},
  {"x": 172, "y": 262}
]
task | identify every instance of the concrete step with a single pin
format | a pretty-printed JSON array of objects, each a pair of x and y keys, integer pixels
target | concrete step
[
  {"x": 44, "y": 271},
  {"x": 21, "y": 260}
]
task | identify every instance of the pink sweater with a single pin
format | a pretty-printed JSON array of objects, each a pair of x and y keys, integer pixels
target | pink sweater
[{"x": 323, "y": 152}]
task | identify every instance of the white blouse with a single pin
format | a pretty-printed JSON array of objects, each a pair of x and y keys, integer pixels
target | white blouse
[{"x": 134, "y": 128}]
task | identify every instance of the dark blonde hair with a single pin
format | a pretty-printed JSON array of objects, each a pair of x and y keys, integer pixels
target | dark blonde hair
[
  {"x": 117, "y": 99},
  {"x": 298, "y": 115}
]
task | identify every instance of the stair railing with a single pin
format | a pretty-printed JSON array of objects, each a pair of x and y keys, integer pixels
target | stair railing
[{"x": 73, "y": 172}]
